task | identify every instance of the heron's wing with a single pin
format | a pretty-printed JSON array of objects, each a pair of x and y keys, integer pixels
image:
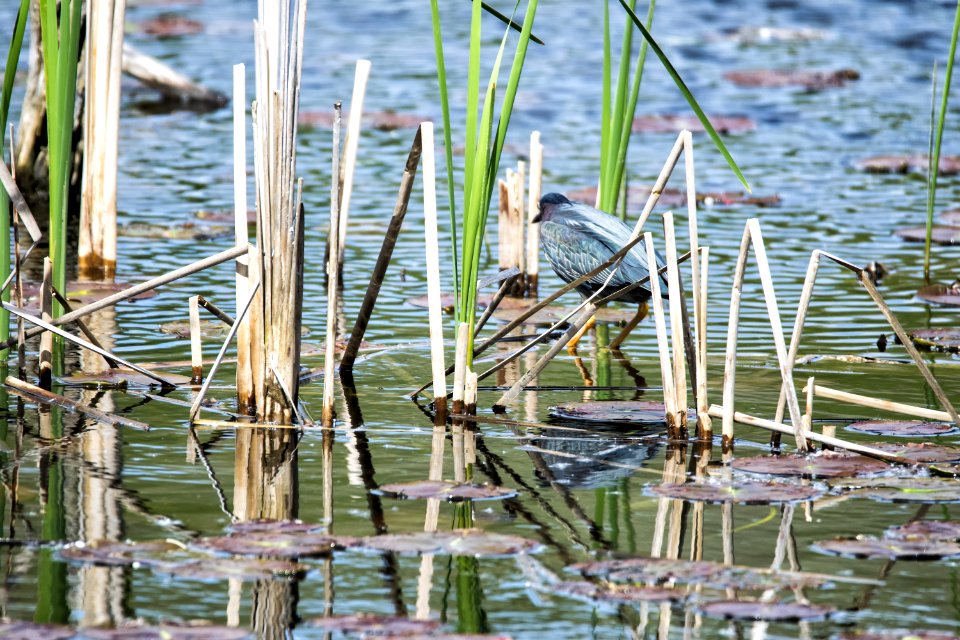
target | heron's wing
[{"x": 574, "y": 252}]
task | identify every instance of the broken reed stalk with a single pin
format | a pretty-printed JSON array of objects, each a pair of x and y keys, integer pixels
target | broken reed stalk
[
  {"x": 33, "y": 392},
  {"x": 215, "y": 311},
  {"x": 510, "y": 226},
  {"x": 196, "y": 343},
  {"x": 169, "y": 83},
  {"x": 432, "y": 247},
  {"x": 245, "y": 392},
  {"x": 677, "y": 324},
  {"x": 19, "y": 204},
  {"x": 350, "y": 145},
  {"x": 386, "y": 251},
  {"x": 511, "y": 394},
  {"x": 333, "y": 271},
  {"x": 877, "y": 403},
  {"x": 808, "y": 409},
  {"x": 97, "y": 250},
  {"x": 663, "y": 346},
  {"x": 111, "y": 363},
  {"x": 730, "y": 359},
  {"x": 533, "y": 210},
  {"x": 18, "y": 281},
  {"x": 704, "y": 423},
  {"x": 46, "y": 314}
]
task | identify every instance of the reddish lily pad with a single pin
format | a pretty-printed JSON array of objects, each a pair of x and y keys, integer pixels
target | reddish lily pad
[
  {"x": 167, "y": 631},
  {"x": 447, "y": 301},
  {"x": 951, "y": 217},
  {"x": 674, "y": 123},
  {"x": 20, "y": 630},
  {"x": 738, "y": 492},
  {"x": 899, "y": 634},
  {"x": 233, "y": 569},
  {"x": 170, "y": 25},
  {"x": 766, "y": 611},
  {"x": 822, "y": 465},
  {"x": 898, "y": 489},
  {"x": 211, "y": 329},
  {"x": 940, "y": 339},
  {"x": 888, "y": 548},
  {"x": 612, "y": 411},
  {"x": 947, "y": 295},
  {"x": 182, "y": 231},
  {"x": 920, "y": 451},
  {"x": 380, "y": 120},
  {"x": 276, "y": 545},
  {"x": 120, "y": 377},
  {"x": 939, "y": 234},
  {"x": 617, "y": 593},
  {"x": 713, "y": 574},
  {"x": 916, "y": 163},
  {"x": 225, "y": 216},
  {"x": 111, "y": 553},
  {"x": 446, "y": 490},
  {"x": 552, "y": 315},
  {"x": 275, "y": 526},
  {"x": 901, "y": 428},
  {"x": 459, "y": 542},
  {"x": 637, "y": 198},
  {"x": 375, "y": 625},
  {"x": 775, "y": 78},
  {"x": 945, "y": 530}
]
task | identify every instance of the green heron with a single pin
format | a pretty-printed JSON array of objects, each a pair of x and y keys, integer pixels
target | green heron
[{"x": 577, "y": 238}]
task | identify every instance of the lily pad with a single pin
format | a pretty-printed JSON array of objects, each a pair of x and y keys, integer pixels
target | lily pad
[
  {"x": 806, "y": 79},
  {"x": 375, "y": 625},
  {"x": 225, "y": 216},
  {"x": 552, "y": 315},
  {"x": 120, "y": 377},
  {"x": 276, "y": 545},
  {"x": 212, "y": 329},
  {"x": 459, "y": 542},
  {"x": 945, "y": 530},
  {"x": 738, "y": 492},
  {"x": 111, "y": 553},
  {"x": 766, "y": 611},
  {"x": 821, "y": 465},
  {"x": 182, "y": 231},
  {"x": 447, "y": 302},
  {"x": 939, "y": 234},
  {"x": 674, "y": 123},
  {"x": 617, "y": 593},
  {"x": 20, "y": 630},
  {"x": 888, "y": 548},
  {"x": 637, "y": 198},
  {"x": 167, "y": 631},
  {"x": 920, "y": 451},
  {"x": 901, "y": 428},
  {"x": 915, "y": 163},
  {"x": 170, "y": 25},
  {"x": 82, "y": 292},
  {"x": 380, "y": 120},
  {"x": 898, "y": 489},
  {"x": 940, "y": 339},
  {"x": 899, "y": 634},
  {"x": 446, "y": 490},
  {"x": 947, "y": 295},
  {"x": 612, "y": 411},
  {"x": 274, "y": 526},
  {"x": 233, "y": 569}
]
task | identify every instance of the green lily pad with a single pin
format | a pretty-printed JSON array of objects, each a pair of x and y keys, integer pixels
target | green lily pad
[
  {"x": 738, "y": 492},
  {"x": 900, "y": 489},
  {"x": 902, "y": 428},
  {"x": 618, "y": 594},
  {"x": 887, "y": 548},
  {"x": 446, "y": 490},
  {"x": 276, "y": 545},
  {"x": 765, "y": 611},
  {"x": 612, "y": 411},
  {"x": 182, "y": 231},
  {"x": 826, "y": 464},
  {"x": 946, "y": 530},
  {"x": 459, "y": 542}
]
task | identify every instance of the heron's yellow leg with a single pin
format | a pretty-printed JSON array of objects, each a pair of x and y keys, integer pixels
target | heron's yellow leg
[
  {"x": 572, "y": 344},
  {"x": 642, "y": 311}
]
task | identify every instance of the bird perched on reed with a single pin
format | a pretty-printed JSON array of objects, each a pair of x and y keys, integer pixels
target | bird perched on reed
[{"x": 576, "y": 239}]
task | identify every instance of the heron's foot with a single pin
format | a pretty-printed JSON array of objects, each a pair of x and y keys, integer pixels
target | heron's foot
[
  {"x": 572, "y": 344},
  {"x": 642, "y": 311}
]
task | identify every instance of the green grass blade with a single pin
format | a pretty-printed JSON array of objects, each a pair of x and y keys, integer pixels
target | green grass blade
[
  {"x": 473, "y": 104},
  {"x": 681, "y": 85},
  {"x": 447, "y": 143},
  {"x": 507, "y": 21}
]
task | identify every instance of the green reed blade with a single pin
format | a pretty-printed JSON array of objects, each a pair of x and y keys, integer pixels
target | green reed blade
[
  {"x": 508, "y": 21},
  {"x": 605, "y": 106},
  {"x": 611, "y": 190},
  {"x": 473, "y": 104}
]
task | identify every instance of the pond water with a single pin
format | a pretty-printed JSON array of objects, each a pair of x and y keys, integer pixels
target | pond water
[{"x": 67, "y": 478}]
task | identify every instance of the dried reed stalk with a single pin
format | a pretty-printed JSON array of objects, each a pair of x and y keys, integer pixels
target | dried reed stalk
[
  {"x": 46, "y": 314},
  {"x": 245, "y": 392},
  {"x": 32, "y": 392},
  {"x": 877, "y": 403},
  {"x": 432, "y": 244},
  {"x": 111, "y": 363},
  {"x": 350, "y": 145},
  {"x": 460, "y": 366},
  {"x": 533, "y": 210},
  {"x": 196, "y": 342},
  {"x": 333, "y": 272},
  {"x": 676, "y": 323},
  {"x": 704, "y": 423},
  {"x": 663, "y": 346}
]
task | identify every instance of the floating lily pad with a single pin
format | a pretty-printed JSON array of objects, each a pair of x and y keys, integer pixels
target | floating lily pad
[
  {"x": 81, "y": 292},
  {"x": 167, "y": 631},
  {"x": 375, "y": 625},
  {"x": 919, "y": 451},
  {"x": 749, "y": 35},
  {"x": 674, "y": 123},
  {"x": 276, "y": 545},
  {"x": 899, "y": 634},
  {"x": 612, "y": 411},
  {"x": 447, "y": 301},
  {"x": 738, "y": 492},
  {"x": 947, "y": 295},
  {"x": 19, "y": 630},
  {"x": 870, "y": 547},
  {"x": 380, "y": 120},
  {"x": 211, "y": 329},
  {"x": 459, "y": 542},
  {"x": 933, "y": 490},
  {"x": 182, "y": 231},
  {"x": 446, "y": 490},
  {"x": 941, "y": 530},
  {"x": 170, "y": 25},
  {"x": 713, "y": 574},
  {"x": 901, "y": 428},
  {"x": 233, "y": 569},
  {"x": 916, "y": 163},
  {"x": 225, "y": 216},
  {"x": 940, "y": 339},
  {"x": 821, "y": 465},
  {"x": 951, "y": 217},
  {"x": 107, "y": 552},
  {"x": 637, "y": 198},
  {"x": 274, "y": 526},
  {"x": 766, "y": 611},
  {"x": 119, "y": 378},
  {"x": 939, "y": 234},
  {"x": 617, "y": 593},
  {"x": 774, "y": 78},
  {"x": 552, "y": 315}
]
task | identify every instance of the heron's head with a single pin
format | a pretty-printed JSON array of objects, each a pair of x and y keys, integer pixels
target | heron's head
[{"x": 547, "y": 205}]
